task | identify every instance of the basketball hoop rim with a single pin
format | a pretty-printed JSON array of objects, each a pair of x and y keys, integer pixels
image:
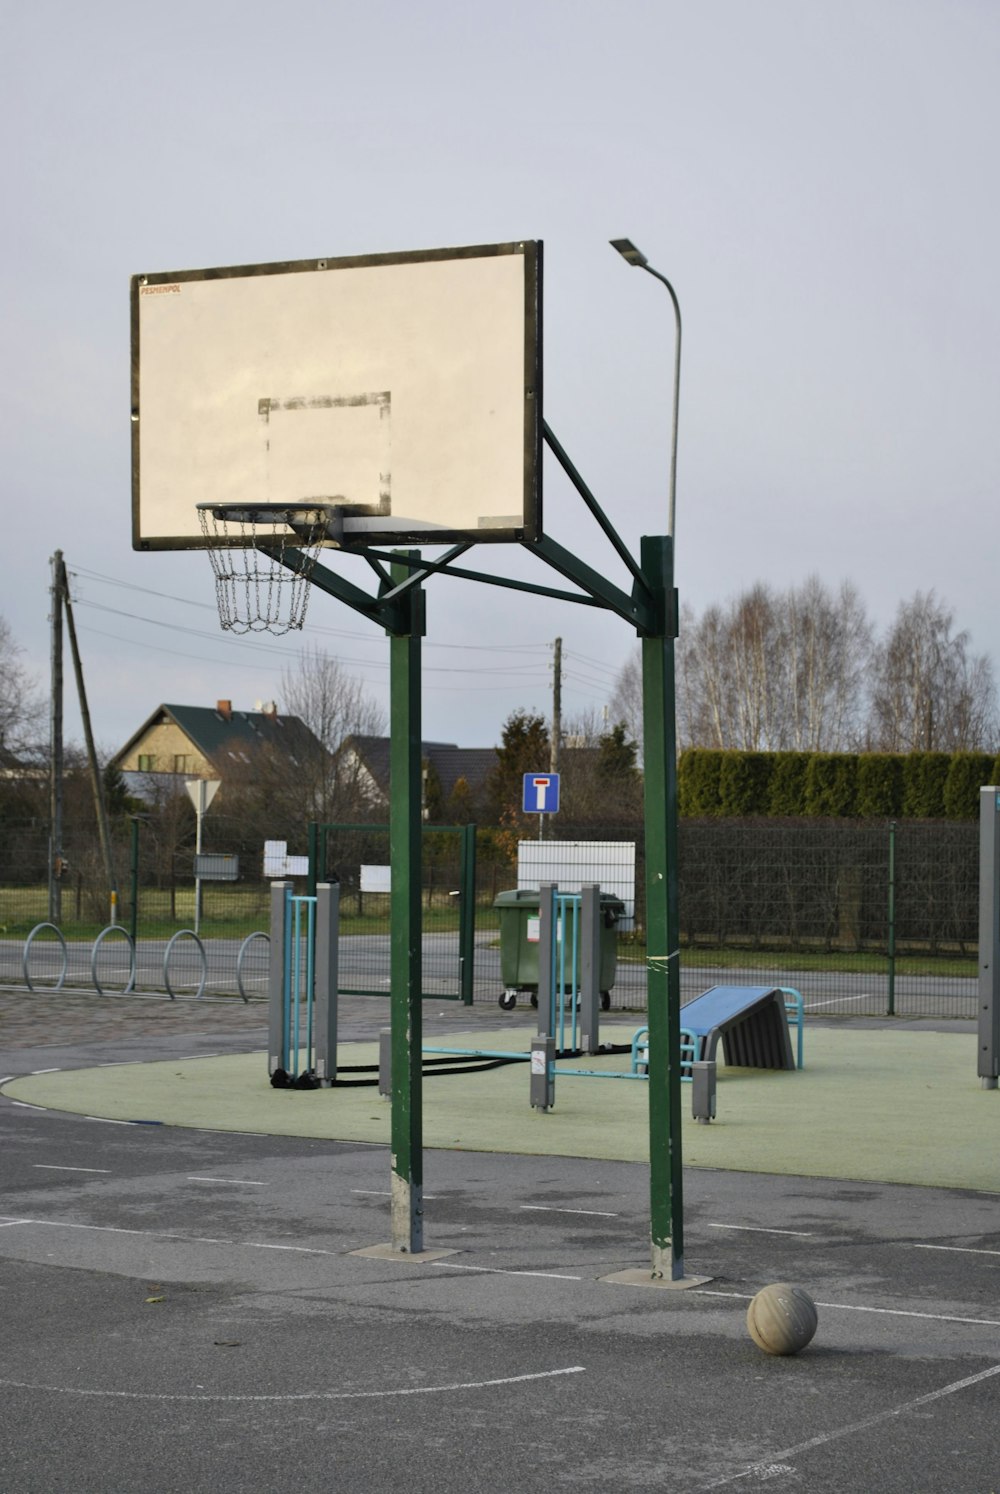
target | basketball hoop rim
[{"x": 289, "y": 514}]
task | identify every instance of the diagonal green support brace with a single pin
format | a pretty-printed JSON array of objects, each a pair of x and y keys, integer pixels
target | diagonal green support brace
[{"x": 634, "y": 609}]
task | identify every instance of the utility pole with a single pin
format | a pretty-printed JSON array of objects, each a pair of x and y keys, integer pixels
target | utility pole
[
  {"x": 95, "y": 773},
  {"x": 56, "y": 743},
  {"x": 556, "y": 706}
]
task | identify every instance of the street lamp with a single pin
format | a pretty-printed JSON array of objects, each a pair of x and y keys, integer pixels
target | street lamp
[
  {"x": 666, "y": 1182},
  {"x": 633, "y": 256}
]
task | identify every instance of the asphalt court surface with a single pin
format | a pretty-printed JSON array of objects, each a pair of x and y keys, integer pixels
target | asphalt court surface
[{"x": 182, "y": 1308}]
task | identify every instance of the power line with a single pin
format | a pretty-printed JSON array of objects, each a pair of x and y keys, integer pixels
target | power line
[{"x": 505, "y": 648}]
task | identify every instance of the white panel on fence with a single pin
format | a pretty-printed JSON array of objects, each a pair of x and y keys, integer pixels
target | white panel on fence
[
  {"x": 570, "y": 863},
  {"x": 375, "y": 879},
  {"x": 278, "y": 863}
]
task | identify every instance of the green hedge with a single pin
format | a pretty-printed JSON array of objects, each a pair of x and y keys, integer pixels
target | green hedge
[{"x": 833, "y": 785}]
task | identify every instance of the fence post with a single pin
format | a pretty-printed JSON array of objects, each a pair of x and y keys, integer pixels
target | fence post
[
  {"x": 467, "y": 913},
  {"x": 989, "y": 937},
  {"x": 891, "y": 955}
]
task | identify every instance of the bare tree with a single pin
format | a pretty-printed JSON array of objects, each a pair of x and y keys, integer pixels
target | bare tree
[
  {"x": 334, "y": 706},
  {"x": 768, "y": 670},
  {"x": 929, "y": 693},
  {"x": 828, "y": 647},
  {"x": 626, "y": 699},
  {"x": 21, "y": 708}
]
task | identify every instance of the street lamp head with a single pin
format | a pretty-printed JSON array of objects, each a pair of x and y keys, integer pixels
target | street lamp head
[{"x": 628, "y": 251}]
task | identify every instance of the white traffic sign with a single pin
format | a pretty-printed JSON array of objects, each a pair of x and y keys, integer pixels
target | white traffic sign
[{"x": 201, "y": 792}]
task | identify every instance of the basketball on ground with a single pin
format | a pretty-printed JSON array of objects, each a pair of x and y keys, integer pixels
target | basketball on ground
[{"x": 782, "y": 1318}]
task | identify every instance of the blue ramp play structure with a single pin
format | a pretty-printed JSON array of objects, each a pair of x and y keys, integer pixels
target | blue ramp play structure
[{"x": 750, "y": 1021}]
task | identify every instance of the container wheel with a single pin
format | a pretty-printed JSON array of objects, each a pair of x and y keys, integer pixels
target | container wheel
[
  {"x": 534, "y": 998},
  {"x": 605, "y": 1001},
  {"x": 508, "y": 1001}
]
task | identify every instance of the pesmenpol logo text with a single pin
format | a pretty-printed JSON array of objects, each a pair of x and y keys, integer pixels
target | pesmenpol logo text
[{"x": 159, "y": 290}]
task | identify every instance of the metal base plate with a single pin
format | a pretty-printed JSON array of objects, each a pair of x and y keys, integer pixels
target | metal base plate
[
  {"x": 642, "y": 1277},
  {"x": 389, "y": 1253}
]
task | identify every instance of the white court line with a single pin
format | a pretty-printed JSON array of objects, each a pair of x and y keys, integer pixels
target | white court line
[
  {"x": 549, "y": 1209},
  {"x": 960, "y": 1249},
  {"x": 885, "y": 1312},
  {"x": 243, "y": 1182},
  {"x": 760, "y": 1229},
  {"x": 387, "y": 1193},
  {"x": 814, "y": 1006},
  {"x": 308, "y": 1395},
  {"x": 110, "y": 1229},
  {"x": 297, "y": 1249},
  {"x": 769, "y": 1469},
  {"x": 168, "y": 1235},
  {"x": 46, "y": 1071},
  {"x": 496, "y": 1271},
  {"x": 58, "y": 1167}
]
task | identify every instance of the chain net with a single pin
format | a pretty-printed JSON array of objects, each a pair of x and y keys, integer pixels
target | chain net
[{"x": 262, "y": 567}]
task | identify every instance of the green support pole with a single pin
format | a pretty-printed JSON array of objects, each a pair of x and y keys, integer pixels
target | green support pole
[
  {"x": 317, "y": 873},
  {"x": 405, "y": 831},
  {"x": 662, "y": 923}
]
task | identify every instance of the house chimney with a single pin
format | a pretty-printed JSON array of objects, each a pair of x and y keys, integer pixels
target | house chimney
[
  {"x": 225, "y": 709},
  {"x": 269, "y": 709}
]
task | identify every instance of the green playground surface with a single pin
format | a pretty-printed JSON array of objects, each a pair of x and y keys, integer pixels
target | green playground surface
[{"x": 881, "y": 1105}]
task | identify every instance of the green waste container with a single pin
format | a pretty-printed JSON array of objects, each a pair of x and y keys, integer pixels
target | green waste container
[{"x": 520, "y": 922}]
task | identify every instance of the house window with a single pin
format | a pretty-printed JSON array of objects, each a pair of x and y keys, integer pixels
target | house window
[
  {"x": 183, "y": 762},
  {"x": 147, "y": 762}
]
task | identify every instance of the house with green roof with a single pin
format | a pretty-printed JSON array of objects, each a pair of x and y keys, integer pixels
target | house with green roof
[{"x": 202, "y": 742}]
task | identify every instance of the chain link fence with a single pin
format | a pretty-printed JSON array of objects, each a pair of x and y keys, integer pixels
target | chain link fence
[{"x": 864, "y": 919}]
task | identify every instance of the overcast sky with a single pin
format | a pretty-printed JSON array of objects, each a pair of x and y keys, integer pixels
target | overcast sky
[{"x": 817, "y": 180}]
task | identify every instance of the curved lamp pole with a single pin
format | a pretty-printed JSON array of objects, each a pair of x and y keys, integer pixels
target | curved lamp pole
[
  {"x": 662, "y": 922},
  {"x": 634, "y": 256}
]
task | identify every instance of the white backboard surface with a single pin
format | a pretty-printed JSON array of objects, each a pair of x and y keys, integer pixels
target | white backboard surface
[
  {"x": 570, "y": 863},
  {"x": 403, "y": 389}
]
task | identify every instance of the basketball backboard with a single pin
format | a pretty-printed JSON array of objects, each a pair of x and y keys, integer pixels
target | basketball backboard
[{"x": 403, "y": 389}]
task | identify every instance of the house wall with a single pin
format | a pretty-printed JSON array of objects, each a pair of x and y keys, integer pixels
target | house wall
[{"x": 166, "y": 749}]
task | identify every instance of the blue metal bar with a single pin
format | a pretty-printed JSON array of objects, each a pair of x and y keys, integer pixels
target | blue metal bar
[
  {"x": 688, "y": 1051},
  {"x": 310, "y": 978},
  {"x": 795, "y": 1006},
  {"x": 480, "y": 1052},
  {"x": 598, "y": 1073},
  {"x": 286, "y": 988},
  {"x": 296, "y": 982}
]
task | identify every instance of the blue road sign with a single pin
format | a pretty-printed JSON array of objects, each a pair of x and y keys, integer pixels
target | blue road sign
[{"x": 541, "y": 793}]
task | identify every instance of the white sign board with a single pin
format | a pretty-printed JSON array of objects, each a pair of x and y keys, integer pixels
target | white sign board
[
  {"x": 570, "y": 863},
  {"x": 375, "y": 879},
  {"x": 278, "y": 863}
]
